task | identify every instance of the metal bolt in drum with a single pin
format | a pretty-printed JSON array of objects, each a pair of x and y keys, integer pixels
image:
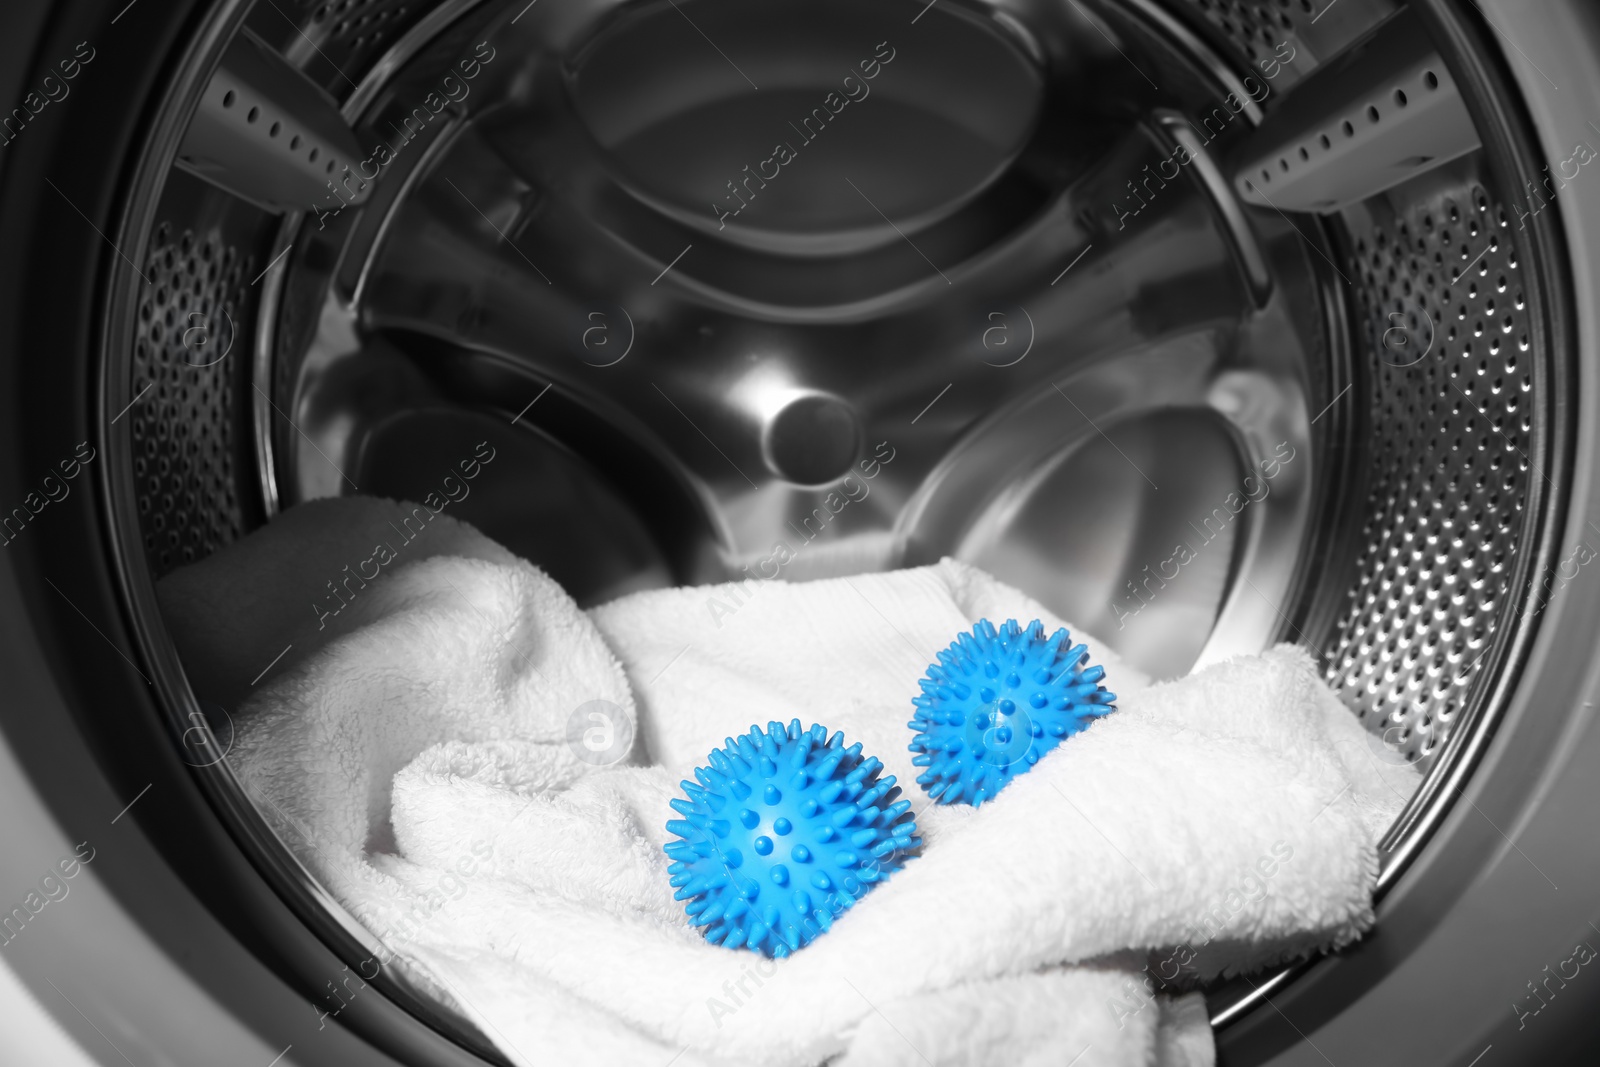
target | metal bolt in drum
[{"x": 1399, "y": 334}]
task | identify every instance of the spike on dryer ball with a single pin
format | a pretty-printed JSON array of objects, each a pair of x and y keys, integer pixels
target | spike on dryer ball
[
  {"x": 785, "y": 830},
  {"x": 995, "y": 702}
]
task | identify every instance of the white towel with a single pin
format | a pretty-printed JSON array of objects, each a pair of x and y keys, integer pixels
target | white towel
[{"x": 434, "y": 762}]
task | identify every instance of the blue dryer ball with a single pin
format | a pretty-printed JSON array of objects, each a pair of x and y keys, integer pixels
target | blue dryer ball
[
  {"x": 997, "y": 701},
  {"x": 784, "y": 832}
]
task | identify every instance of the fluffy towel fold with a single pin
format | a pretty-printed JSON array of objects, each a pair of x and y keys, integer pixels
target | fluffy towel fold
[{"x": 431, "y": 760}]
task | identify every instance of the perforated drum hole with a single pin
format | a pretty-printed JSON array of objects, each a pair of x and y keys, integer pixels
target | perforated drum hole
[
  {"x": 1445, "y": 506},
  {"x": 183, "y": 430}
]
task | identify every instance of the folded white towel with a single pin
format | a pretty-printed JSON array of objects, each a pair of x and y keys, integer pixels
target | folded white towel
[
  {"x": 1040, "y": 1020},
  {"x": 1217, "y": 823},
  {"x": 471, "y": 645}
]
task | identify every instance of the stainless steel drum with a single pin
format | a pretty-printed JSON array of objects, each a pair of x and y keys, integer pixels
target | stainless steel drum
[{"x": 1209, "y": 323}]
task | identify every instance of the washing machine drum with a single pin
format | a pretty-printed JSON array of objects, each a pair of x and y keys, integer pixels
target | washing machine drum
[{"x": 1208, "y": 324}]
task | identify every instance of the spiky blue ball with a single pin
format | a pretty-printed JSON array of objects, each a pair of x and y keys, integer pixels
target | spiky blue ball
[
  {"x": 995, "y": 702},
  {"x": 784, "y": 832}
]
